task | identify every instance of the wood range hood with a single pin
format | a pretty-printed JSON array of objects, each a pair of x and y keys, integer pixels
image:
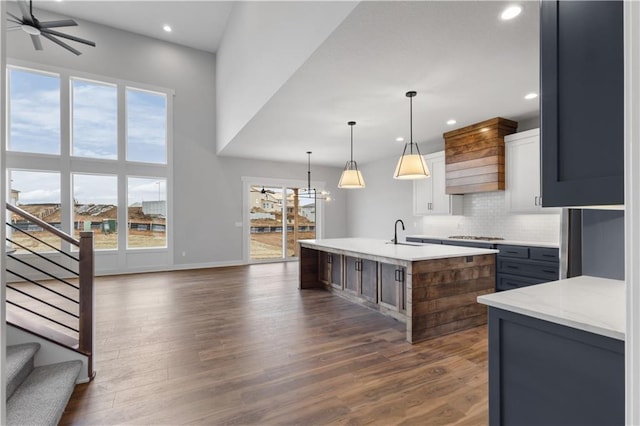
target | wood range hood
[{"x": 474, "y": 156}]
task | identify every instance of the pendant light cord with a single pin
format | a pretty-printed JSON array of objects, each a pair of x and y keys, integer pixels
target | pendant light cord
[
  {"x": 411, "y": 124},
  {"x": 308, "y": 171},
  {"x": 351, "y": 125}
]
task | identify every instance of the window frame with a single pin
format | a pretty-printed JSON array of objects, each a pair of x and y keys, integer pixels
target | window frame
[{"x": 126, "y": 259}]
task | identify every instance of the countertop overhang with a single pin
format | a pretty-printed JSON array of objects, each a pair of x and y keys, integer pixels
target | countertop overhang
[
  {"x": 388, "y": 250},
  {"x": 592, "y": 304}
]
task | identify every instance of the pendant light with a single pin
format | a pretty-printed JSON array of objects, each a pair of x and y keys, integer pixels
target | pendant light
[
  {"x": 310, "y": 192},
  {"x": 351, "y": 177},
  {"x": 411, "y": 165}
]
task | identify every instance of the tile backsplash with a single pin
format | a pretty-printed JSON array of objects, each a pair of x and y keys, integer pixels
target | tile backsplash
[{"x": 485, "y": 215}]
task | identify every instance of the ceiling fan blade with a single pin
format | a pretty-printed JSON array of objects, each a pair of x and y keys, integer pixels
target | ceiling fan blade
[
  {"x": 14, "y": 28},
  {"x": 61, "y": 43},
  {"x": 61, "y": 23},
  {"x": 26, "y": 15},
  {"x": 67, "y": 36},
  {"x": 36, "y": 42},
  {"x": 14, "y": 17},
  {"x": 14, "y": 21}
]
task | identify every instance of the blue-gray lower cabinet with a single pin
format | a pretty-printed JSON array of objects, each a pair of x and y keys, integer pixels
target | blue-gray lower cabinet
[
  {"x": 521, "y": 266},
  {"x": 542, "y": 373},
  {"x": 424, "y": 240}
]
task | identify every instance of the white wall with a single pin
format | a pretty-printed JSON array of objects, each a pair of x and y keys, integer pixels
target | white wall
[
  {"x": 3, "y": 296},
  {"x": 258, "y": 54},
  {"x": 632, "y": 210},
  {"x": 373, "y": 210},
  {"x": 207, "y": 188}
]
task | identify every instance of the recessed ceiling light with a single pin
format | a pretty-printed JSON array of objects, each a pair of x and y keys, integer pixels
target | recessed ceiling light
[
  {"x": 451, "y": 122},
  {"x": 399, "y": 139},
  {"x": 511, "y": 12},
  {"x": 531, "y": 96},
  {"x": 167, "y": 28}
]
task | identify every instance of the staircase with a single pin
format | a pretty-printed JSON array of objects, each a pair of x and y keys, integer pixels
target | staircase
[
  {"x": 37, "y": 396},
  {"x": 49, "y": 318}
]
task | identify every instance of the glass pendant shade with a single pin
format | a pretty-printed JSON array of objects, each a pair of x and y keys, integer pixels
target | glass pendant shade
[
  {"x": 411, "y": 165},
  {"x": 351, "y": 177}
]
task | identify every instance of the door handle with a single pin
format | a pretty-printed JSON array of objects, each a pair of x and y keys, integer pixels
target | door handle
[{"x": 535, "y": 201}]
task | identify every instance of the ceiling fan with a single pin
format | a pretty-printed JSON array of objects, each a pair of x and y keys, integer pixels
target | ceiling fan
[{"x": 30, "y": 25}]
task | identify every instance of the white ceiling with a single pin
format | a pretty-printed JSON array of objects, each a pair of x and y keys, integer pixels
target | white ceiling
[
  {"x": 197, "y": 24},
  {"x": 464, "y": 62}
]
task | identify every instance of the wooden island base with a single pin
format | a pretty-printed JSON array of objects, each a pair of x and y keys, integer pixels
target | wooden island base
[{"x": 433, "y": 297}]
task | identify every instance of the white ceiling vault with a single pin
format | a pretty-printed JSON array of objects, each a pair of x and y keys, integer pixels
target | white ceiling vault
[{"x": 462, "y": 59}]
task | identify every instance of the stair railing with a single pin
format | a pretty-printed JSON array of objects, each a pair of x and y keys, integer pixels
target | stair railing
[{"x": 82, "y": 294}]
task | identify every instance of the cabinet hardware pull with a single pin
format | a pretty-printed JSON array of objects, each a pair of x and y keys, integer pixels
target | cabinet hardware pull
[
  {"x": 549, "y": 272},
  {"x": 512, "y": 267}
]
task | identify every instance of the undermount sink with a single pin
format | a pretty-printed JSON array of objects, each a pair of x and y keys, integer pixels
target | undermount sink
[{"x": 405, "y": 244}]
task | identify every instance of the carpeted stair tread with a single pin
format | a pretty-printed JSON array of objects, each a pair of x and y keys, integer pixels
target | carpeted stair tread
[
  {"x": 43, "y": 396},
  {"x": 19, "y": 364}
]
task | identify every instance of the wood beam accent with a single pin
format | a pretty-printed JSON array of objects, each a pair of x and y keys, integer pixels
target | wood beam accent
[{"x": 474, "y": 156}]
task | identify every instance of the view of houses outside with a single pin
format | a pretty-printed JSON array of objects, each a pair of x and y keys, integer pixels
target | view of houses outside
[
  {"x": 266, "y": 221},
  {"x": 38, "y": 193}
]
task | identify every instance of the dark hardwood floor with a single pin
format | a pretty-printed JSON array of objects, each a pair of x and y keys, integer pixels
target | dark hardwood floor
[{"x": 243, "y": 346}]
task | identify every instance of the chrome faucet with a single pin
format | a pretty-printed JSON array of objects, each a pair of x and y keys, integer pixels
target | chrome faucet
[{"x": 395, "y": 230}]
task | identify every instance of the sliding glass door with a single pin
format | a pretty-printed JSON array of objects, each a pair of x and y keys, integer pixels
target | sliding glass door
[{"x": 278, "y": 218}]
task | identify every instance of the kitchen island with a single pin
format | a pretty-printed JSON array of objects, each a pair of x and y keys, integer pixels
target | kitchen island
[
  {"x": 431, "y": 288},
  {"x": 556, "y": 353}
]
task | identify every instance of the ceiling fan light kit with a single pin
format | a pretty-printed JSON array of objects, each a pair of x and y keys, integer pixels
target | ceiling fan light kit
[
  {"x": 351, "y": 177},
  {"x": 32, "y": 26},
  {"x": 411, "y": 165}
]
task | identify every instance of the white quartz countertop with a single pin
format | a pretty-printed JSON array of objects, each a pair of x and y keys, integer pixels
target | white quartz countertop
[
  {"x": 382, "y": 248},
  {"x": 508, "y": 242},
  {"x": 592, "y": 304}
]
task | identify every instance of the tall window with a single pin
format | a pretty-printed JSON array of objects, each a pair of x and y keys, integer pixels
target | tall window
[
  {"x": 95, "y": 208},
  {"x": 147, "y": 212},
  {"x": 34, "y": 112},
  {"x": 146, "y": 126},
  {"x": 38, "y": 193},
  {"x": 95, "y": 119},
  {"x": 115, "y": 162}
]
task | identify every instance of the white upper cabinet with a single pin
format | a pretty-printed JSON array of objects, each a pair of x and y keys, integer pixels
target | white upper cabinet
[
  {"x": 429, "y": 196},
  {"x": 522, "y": 174}
]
